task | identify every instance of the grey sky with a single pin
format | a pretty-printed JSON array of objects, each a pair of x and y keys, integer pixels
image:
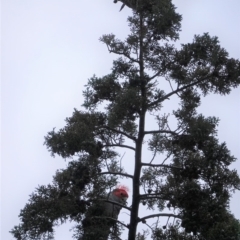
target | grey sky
[{"x": 49, "y": 48}]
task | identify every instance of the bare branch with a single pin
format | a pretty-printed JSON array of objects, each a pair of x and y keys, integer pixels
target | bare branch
[
  {"x": 118, "y": 145},
  {"x": 151, "y": 196},
  {"x": 169, "y": 154},
  {"x": 118, "y": 204},
  {"x": 148, "y": 226},
  {"x": 159, "y": 215},
  {"x": 168, "y": 221},
  {"x": 172, "y": 87},
  {"x": 113, "y": 219},
  {"x": 120, "y": 132},
  {"x": 154, "y": 155},
  {"x": 107, "y": 164},
  {"x": 124, "y": 54},
  {"x": 117, "y": 173},
  {"x": 121, "y": 160},
  {"x": 115, "y": 203},
  {"x": 160, "y": 165},
  {"x": 155, "y": 75},
  {"x": 183, "y": 88},
  {"x": 160, "y": 131},
  {"x": 158, "y": 221},
  {"x": 176, "y": 91}
]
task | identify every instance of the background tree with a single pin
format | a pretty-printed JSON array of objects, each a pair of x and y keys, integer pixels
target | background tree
[{"x": 190, "y": 177}]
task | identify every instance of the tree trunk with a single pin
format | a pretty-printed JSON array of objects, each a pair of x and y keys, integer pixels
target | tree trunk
[{"x": 138, "y": 152}]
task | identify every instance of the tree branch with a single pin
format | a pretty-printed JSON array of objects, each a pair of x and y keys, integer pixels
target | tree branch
[
  {"x": 118, "y": 204},
  {"x": 154, "y": 155},
  {"x": 155, "y": 75},
  {"x": 118, "y": 145},
  {"x": 159, "y": 215},
  {"x": 169, "y": 154},
  {"x": 124, "y": 54},
  {"x": 113, "y": 219},
  {"x": 176, "y": 91},
  {"x": 120, "y": 132},
  {"x": 160, "y": 131},
  {"x": 172, "y": 87},
  {"x": 151, "y": 195},
  {"x": 160, "y": 165},
  {"x": 117, "y": 173},
  {"x": 115, "y": 203}
]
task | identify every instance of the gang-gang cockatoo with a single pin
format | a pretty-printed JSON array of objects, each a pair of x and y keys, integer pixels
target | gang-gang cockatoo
[
  {"x": 137, "y": 5},
  {"x": 100, "y": 216},
  {"x": 130, "y": 3}
]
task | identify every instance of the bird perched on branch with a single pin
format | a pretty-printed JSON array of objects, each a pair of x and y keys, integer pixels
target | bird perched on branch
[
  {"x": 118, "y": 195},
  {"x": 137, "y": 5},
  {"x": 101, "y": 216},
  {"x": 130, "y": 3}
]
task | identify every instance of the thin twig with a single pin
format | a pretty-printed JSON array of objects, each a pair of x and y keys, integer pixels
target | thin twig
[
  {"x": 158, "y": 221},
  {"x": 120, "y": 145},
  {"x": 166, "y": 158},
  {"x": 120, "y": 132},
  {"x": 159, "y": 215},
  {"x": 149, "y": 226},
  {"x": 176, "y": 91},
  {"x": 112, "y": 219},
  {"x": 167, "y": 221},
  {"x": 160, "y": 165},
  {"x": 172, "y": 87},
  {"x": 152, "y": 196},
  {"x": 121, "y": 160},
  {"x": 154, "y": 155},
  {"x": 118, "y": 204},
  {"x": 124, "y": 54}
]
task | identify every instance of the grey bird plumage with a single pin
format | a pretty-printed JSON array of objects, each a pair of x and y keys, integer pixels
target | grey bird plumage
[{"x": 101, "y": 217}]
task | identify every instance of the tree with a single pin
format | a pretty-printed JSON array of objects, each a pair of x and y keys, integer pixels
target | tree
[{"x": 188, "y": 173}]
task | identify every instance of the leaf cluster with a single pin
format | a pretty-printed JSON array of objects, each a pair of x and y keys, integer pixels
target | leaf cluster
[{"x": 188, "y": 173}]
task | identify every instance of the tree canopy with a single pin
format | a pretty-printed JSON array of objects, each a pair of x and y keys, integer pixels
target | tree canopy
[{"x": 188, "y": 179}]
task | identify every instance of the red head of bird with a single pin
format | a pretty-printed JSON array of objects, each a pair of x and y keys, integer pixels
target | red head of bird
[{"x": 121, "y": 193}]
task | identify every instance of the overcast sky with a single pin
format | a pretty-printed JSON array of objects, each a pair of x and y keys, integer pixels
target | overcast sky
[{"x": 49, "y": 48}]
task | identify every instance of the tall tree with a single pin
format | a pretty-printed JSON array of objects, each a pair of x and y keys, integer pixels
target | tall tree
[{"x": 189, "y": 172}]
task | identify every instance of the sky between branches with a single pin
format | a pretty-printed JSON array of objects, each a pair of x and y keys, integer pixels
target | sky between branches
[{"x": 49, "y": 49}]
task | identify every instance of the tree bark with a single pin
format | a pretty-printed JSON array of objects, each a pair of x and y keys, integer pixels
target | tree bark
[{"x": 138, "y": 153}]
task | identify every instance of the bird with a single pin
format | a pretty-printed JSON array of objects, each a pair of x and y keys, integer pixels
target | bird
[
  {"x": 130, "y": 3},
  {"x": 118, "y": 195},
  {"x": 137, "y": 5},
  {"x": 101, "y": 216}
]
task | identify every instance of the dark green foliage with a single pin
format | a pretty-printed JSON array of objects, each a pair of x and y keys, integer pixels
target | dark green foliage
[
  {"x": 190, "y": 177},
  {"x": 51, "y": 205},
  {"x": 206, "y": 61},
  {"x": 79, "y": 135},
  {"x": 229, "y": 229},
  {"x": 68, "y": 198}
]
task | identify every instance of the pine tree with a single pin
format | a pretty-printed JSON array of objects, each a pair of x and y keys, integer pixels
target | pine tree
[{"x": 189, "y": 173}]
